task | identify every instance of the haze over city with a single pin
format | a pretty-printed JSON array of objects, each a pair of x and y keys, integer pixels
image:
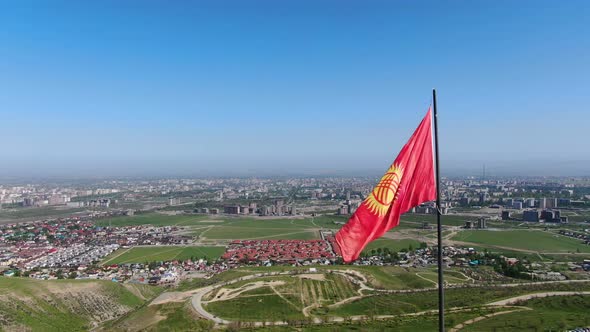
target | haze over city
[
  {"x": 280, "y": 166},
  {"x": 296, "y": 87}
]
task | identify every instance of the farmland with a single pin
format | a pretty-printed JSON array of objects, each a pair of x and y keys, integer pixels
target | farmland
[{"x": 162, "y": 253}]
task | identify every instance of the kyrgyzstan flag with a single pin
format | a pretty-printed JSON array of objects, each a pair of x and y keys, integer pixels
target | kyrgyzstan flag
[{"x": 408, "y": 182}]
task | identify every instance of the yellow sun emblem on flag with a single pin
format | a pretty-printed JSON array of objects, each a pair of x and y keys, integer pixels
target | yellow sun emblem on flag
[{"x": 385, "y": 192}]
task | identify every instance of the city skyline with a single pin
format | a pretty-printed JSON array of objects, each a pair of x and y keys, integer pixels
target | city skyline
[{"x": 263, "y": 88}]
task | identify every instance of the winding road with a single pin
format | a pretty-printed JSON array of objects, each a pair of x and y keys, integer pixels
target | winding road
[{"x": 360, "y": 280}]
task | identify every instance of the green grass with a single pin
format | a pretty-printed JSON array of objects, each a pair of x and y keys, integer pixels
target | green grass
[
  {"x": 269, "y": 223},
  {"x": 393, "y": 277},
  {"x": 521, "y": 239},
  {"x": 178, "y": 316},
  {"x": 161, "y": 253},
  {"x": 433, "y": 277},
  {"x": 303, "y": 291},
  {"x": 393, "y": 245},
  {"x": 383, "y": 304},
  {"x": 228, "y": 227},
  {"x": 296, "y": 292},
  {"x": 327, "y": 221},
  {"x": 557, "y": 313},
  {"x": 34, "y": 212},
  {"x": 194, "y": 283},
  {"x": 382, "y": 277},
  {"x": 233, "y": 232},
  {"x": 427, "y": 322},
  {"x": 269, "y": 307}
]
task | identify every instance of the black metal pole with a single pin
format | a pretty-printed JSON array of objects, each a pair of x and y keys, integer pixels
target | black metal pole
[{"x": 441, "y": 292}]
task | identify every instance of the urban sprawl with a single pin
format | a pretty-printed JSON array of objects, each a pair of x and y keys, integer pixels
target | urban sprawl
[{"x": 64, "y": 240}]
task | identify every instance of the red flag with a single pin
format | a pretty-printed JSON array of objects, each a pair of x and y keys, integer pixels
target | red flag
[{"x": 408, "y": 182}]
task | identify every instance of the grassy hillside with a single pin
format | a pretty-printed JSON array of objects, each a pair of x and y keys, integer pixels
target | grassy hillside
[
  {"x": 173, "y": 316},
  {"x": 385, "y": 304},
  {"x": 557, "y": 313},
  {"x": 66, "y": 305}
]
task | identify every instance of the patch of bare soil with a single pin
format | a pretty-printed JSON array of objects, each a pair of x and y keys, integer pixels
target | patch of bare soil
[{"x": 171, "y": 297}]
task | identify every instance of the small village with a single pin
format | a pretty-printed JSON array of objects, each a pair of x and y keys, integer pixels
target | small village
[
  {"x": 70, "y": 242},
  {"x": 72, "y": 248}
]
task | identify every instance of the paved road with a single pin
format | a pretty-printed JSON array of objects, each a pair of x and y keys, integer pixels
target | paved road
[{"x": 197, "y": 305}]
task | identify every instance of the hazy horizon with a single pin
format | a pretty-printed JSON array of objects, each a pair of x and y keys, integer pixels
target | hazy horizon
[
  {"x": 264, "y": 88},
  {"x": 521, "y": 168}
]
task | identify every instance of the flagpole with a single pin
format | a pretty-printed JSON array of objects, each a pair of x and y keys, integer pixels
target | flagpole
[{"x": 441, "y": 294}]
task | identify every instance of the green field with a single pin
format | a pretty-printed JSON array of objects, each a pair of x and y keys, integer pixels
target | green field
[
  {"x": 448, "y": 277},
  {"x": 393, "y": 245},
  {"x": 66, "y": 305},
  {"x": 427, "y": 322},
  {"x": 547, "y": 314},
  {"x": 177, "y": 316},
  {"x": 394, "y": 277},
  {"x": 292, "y": 296},
  {"x": 384, "y": 304},
  {"x": 269, "y": 307},
  {"x": 521, "y": 239},
  {"x": 380, "y": 277},
  {"x": 557, "y": 313},
  {"x": 36, "y": 212},
  {"x": 227, "y": 227},
  {"x": 161, "y": 253},
  {"x": 232, "y": 232},
  {"x": 297, "y": 293},
  {"x": 160, "y": 219}
]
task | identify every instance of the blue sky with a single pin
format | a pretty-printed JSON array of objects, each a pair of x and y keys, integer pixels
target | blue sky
[{"x": 315, "y": 87}]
